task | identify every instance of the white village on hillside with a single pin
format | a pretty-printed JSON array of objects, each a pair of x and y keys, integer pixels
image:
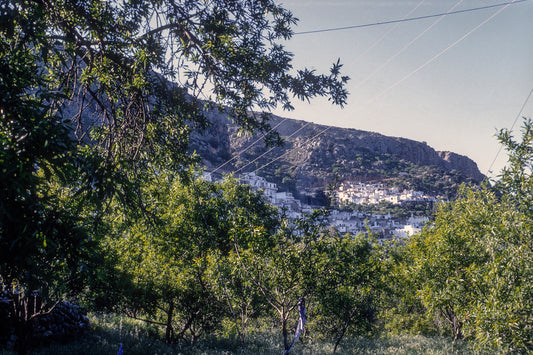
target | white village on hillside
[
  {"x": 353, "y": 222},
  {"x": 372, "y": 194}
]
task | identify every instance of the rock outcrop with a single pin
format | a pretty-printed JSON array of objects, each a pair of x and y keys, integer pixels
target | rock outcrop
[
  {"x": 62, "y": 323},
  {"x": 313, "y": 155},
  {"x": 453, "y": 161}
]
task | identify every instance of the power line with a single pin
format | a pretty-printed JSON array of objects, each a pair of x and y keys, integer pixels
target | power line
[
  {"x": 249, "y": 147},
  {"x": 407, "y": 76},
  {"x": 366, "y": 51},
  {"x": 271, "y": 149},
  {"x": 281, "y": 156},
  {"x": 514, "y": 123},
  {"x": 409, "y": 19},
  {"x": 406, "y": 46},
  {"x": 435, "y": 57},
  {"x": 389, "y": 31},
  {"x": 410, "y": 74},
  {"x": 405, "y": 18}
]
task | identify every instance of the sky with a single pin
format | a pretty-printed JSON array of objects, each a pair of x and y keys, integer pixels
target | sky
[{"x": 451, "y": 81}]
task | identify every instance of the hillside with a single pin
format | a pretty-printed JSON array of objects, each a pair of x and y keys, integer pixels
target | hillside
[{"x": 314, "y": 157}]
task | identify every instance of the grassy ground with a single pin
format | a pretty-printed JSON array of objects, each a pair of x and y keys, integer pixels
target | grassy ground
[{"x": 138, "y": 339}]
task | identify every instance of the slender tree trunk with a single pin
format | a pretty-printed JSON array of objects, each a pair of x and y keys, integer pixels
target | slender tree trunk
[
  {"x": 341, "y": 335},
  {"x": 457, "y": 326},
  {"x": 169, "y": 331},
  {"x": 454, "y": 321},
  {"x": 344, "y": 329},
  {"x": 187, "y": 325},
  {"x": 22, "y": 329},
  {"x": 244, "y": 321},
  {"x": 284, "y": 331}
]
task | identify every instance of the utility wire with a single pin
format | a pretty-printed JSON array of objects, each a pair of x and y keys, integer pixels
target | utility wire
[
  {"x": 250, "y": 146},
  {"x": 412, "y": 73},
  {"x": 435, "y": 57},
  {"x": 387, "y": 33},
  {"x": 405, "y": 47},
  {"x": 514, "y": 123},
  {"x": 361, "y": 55},
  {"x": 406, "y": 17},
  {"x": 380, "y": 67},
  {"x": 409, "y": 19},
  {"x": 281, "y": 156},
  {"x": 271, "y": 149}
]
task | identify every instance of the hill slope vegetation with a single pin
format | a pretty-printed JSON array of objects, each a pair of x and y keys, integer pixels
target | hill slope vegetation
[{"x": 314, "y": 156}]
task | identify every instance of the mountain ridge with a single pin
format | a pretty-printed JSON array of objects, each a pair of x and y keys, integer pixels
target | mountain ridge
[{"x": 315, "y": 155}]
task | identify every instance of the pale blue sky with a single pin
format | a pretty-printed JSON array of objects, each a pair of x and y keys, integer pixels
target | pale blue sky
[{"x": 456, "y": 102}]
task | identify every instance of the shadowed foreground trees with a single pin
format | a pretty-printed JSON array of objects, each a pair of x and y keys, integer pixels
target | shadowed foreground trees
[
  {"x": 97, "y": 101},
  {"x": 176, "y": 260},
  {"x": 97, "y": 95}
]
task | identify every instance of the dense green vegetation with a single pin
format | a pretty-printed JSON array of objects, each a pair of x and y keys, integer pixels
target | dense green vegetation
[
  {"x": 403, "y": 211},
  {"x": 136, "y": 338},
  {"x": 102, "y": 203},
  {"x": 466, "y": 274},
  {"x": 363, "y": 165}
]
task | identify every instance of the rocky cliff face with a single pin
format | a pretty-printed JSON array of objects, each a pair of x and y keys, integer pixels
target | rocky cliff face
[
  {"x": 315, "y": 155},
  {"x": 453, "y": 161}
]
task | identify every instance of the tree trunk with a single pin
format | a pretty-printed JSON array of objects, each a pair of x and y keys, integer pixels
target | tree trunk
[
  {"x": 188, "y": 325},
  {"x": 457, "y": 326},
  {"x": 284, "y": 331},
  {"x": 169, "y": 330},
  {"x": 454, "y": 321},
  {"x": 341, "y": 335},
  {"x": 21, "y": 318}
]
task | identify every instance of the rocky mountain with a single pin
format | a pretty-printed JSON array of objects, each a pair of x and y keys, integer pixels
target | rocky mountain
[{"x": 315, "y": 156}]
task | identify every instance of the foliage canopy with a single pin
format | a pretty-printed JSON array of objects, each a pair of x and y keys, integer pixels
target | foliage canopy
[
  {"x": 97, "y": 102},
  {"x": 468, "y": 272},
  {"x": 97, "y": 95},
  {"x": 100, "y": 92}
]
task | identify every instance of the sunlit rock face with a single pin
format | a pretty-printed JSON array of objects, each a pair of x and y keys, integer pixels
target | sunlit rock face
[{"x": 314, "y": 156}]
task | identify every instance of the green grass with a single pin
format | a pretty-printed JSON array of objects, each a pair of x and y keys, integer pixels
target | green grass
[{"x": 138, "y": 339}]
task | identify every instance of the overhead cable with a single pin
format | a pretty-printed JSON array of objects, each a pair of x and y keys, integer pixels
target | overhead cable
[
  {"x": 514, "y": 123},
  {"x": 405, "y": 47},
  {"x": 435, "y": 57},
  {"x": 361, "y": 55},
  {"x": 249, "y": 147},
  {"x": 271, "y": 149},
  {"x": 287, "y": 152},
  {"x": 387, "y": 33},
  {"x": 409, "y": 19},
  {"x": 412, "y": 73}
]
